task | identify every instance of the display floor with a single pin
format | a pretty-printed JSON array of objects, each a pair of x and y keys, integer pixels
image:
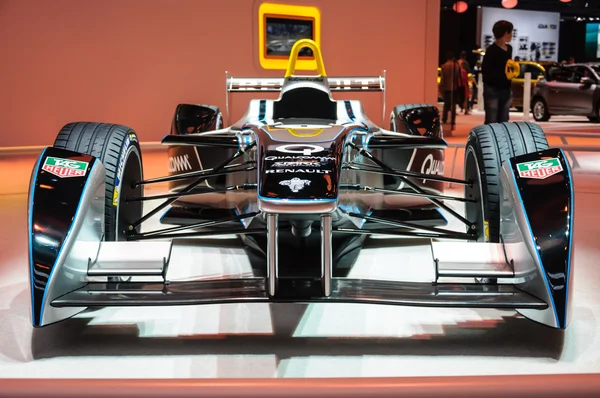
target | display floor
[{"x": 293, "y": 341}]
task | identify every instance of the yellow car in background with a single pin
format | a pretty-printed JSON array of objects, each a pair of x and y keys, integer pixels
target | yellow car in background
[{"x": 537, "y": 69}]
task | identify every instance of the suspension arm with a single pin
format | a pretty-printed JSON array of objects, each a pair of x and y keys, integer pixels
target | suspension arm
[
  {"x": 192, "y": 174},
  {"x": 412, "y": 185},
  {"x": 204, "y": 224},
  {"x": 358, "y": 187},
  {"x": 446, "y": 235},
  {"x": 355, "y": 166},
  {"x": 246, "y": 186},
  {"x": 198, "y": 234},
  {"x": 190, "y": 187},
  {"x": 401, "y": 224}
]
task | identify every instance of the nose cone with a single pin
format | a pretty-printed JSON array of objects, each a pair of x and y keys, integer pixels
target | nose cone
[{"x": 300, "y": 168}]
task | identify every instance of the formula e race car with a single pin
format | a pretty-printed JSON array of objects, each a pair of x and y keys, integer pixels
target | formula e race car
[{"x": 305, "y": 183}]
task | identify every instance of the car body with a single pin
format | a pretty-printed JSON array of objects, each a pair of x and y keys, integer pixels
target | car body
[
  {"x": 537, "y": 70},
  {"x": 568, "y": 90},
  {"x": 302, "y": 181}
]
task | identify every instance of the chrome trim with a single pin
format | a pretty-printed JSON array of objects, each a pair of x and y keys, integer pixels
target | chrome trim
[
  {"x": 70, "y": 269},
  {"x": 283, "y": 206},
  {"x": 471, "y": 259},
  {"x": 274, "y": 84},
  {"x": 131, "y": 259},
  {"x": 326, "y": 254},
  {"x": 272, "y": 255},
  {"x": 383, "y": 94}
]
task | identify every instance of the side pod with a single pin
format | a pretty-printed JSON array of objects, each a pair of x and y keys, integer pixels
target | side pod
[
  {"x": 65, "y": 227},
  {"x": 537, "y": 230}
]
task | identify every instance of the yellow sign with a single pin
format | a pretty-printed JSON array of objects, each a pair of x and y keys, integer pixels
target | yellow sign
[
  {"x": 286, "y": 14},
  {"x": 512, "y": 69}
]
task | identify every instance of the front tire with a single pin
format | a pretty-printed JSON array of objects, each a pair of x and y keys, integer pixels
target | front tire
[
  {"x": 488, "y": 147},
  {"x": 118, "y": 149}
]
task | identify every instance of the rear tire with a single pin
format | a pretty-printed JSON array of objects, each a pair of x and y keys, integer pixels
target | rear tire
[
  {"x": 415, "y": 119},
  {"x": 118, "y": 149},
  {"x": 488, "y": 147}
]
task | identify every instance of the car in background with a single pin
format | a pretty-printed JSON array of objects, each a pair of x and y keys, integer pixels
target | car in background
[
  {"x": 568, "y": 90},
  {"x": 537, "y": 70}
]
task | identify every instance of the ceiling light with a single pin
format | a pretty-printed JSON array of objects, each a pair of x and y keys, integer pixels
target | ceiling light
[
  {"x": 460, "y": 6},
  {"x": 509, "y": 3}
]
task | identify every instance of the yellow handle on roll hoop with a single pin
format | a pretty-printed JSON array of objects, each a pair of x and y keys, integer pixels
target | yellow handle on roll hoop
[
  {"x": 512, "y": 69},
  {"x": 300, "y": 44}
]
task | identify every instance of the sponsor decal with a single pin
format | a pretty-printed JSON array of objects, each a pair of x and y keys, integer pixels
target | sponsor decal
[
  {"x": 295, "y": 184},
  {"x": 306, "y": 171},
  {"x": 539, "y": 169},
  {"x": 179, "y": 163},
  {"x": 547, "y": 26},
  {"x": 302, "y": 149},
  {"x": 432, "y": 166},
  {"x": 297, "y": 164},
  {"x": 305, "y": 79},
  {"x": 301, "y": 158},
  {"x": 65, "y": 167},
  {"x": 486, "y": 230}
]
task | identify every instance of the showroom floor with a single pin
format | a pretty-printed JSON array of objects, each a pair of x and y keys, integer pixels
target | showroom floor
[{"x": 317, "y": 340}]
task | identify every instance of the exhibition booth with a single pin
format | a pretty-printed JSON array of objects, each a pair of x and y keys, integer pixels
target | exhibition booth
[{"x": 259, "y": 198}]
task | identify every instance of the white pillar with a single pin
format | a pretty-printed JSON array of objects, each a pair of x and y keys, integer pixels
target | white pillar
[
  {"x": 527, "y": 96},
  {"x": 480, "y": 93}
]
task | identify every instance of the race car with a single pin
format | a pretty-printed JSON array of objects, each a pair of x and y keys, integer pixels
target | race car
[{"x": 303, "y": 181}]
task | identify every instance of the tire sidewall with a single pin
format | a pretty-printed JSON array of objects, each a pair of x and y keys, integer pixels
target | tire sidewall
[
  {"x": 130, "y": 147},
  {"x": 471, "y": 149}
]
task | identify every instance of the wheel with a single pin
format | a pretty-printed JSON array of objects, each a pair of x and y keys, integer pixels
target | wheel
[
  {"x": 596, "y": 117},
  {"x": 118, "y": 149},
  {"x": 540, "y": 110},
  {"x": 488, "y": 147}
]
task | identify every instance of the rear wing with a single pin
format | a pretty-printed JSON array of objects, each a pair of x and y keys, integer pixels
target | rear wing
[{"x": 274, "y": 84}]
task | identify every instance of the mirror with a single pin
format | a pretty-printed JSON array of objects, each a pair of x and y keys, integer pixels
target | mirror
[{"x": 587, "y": 81}]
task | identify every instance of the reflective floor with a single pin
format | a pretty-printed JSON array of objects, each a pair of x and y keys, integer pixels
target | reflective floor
[{"x": 317, "y": 340}]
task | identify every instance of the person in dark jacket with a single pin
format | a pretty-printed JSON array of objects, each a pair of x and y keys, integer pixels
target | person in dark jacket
[
  {"x": 497, "y": 93},
  {"x": 449, "y": 86}
]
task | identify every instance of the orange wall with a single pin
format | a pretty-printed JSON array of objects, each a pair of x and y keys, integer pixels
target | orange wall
[{"x": 133, "y": 61}]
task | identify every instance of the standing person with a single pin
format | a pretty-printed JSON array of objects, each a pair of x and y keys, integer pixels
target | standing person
[
  {"x": 448, "y": 86},
  {"x": 476, "y": 72},
  {"x": 465, "y": 100},
  {"x": 497, "y": 93}
]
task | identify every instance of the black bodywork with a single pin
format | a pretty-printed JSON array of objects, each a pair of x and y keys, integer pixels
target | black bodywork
[{"x": 57, "y": 203}]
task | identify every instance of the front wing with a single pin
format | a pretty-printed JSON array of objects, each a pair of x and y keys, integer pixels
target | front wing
[{"x": 68, "y": 257}]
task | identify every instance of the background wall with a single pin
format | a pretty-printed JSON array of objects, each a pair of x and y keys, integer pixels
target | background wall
[{"x": 133, "y": 61}]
